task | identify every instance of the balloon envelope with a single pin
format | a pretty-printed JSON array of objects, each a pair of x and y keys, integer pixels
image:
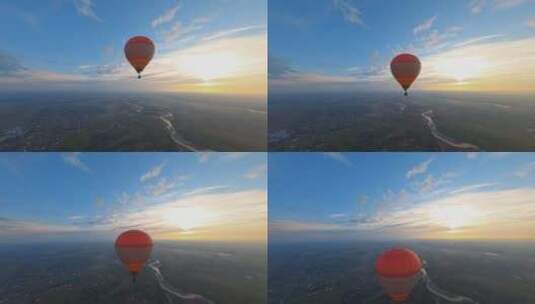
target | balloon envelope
[
  {"x": 139, "y": 51},
  {"x": 133, "y": 248},
  {"x": 405, "y": 68},
  {"x": 398, "y": 271}
]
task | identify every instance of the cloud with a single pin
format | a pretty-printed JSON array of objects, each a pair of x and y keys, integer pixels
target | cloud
[
  {"x": 439, "y": 39},
  {"x": 232, "y": 156},
  {"x": 279, "y": 67},
  {"x": 73, "y": 159},
  {"x": 76, "y": 217},
  {"x": 472, "y": 155},
  {"x": 257, "y": 172},
  {"x": 152, "y": 173},
  {"x": 204, "y": 190},
  {"x": 531, "y": 22},
  {"x": 221, "y": 216},
  {"x": 349, "y": 11},
  {"x": 503, "y": 214},
  {"x": 477, "y": 6},
  {"x": 526, "y": 170},
  {"x": 419, "y": 169},
  {"x": 503, "y": 65},
  {"x": 14, "y": 227},
  {"x": 180, "y": 30},
  {"x": 162, "y": 187},
  {"x": 233, "y": 32},
  {"x": 507, "y": 3},
  {"x": 168, "y": 16},
  {"x": 203, "y": 157},
  {"x": 85, "y": 8},
  {"x": 428, "y": 184},
  {"x": 339, "y": 157},
  {"x": 9, "y": 64},
  {"x": 338, "y": 216},
  {"x": 424, "y": 26},
  {"x": 471, "y": 188},
  {"x": 241, "y": 61},
  {"x": 213, "y": 216}
]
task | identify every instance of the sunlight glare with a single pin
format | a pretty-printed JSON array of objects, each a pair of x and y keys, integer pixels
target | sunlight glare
[
  {"x": 210, "y": 66},
  {"x": 462, "y": 69},
  {"x": 454, "y": 217},
  {"x": 187, "y": 218}
]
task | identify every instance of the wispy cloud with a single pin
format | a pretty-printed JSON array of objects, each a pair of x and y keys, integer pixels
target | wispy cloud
[
  {"x": 464, "y": 214},
  {"x": 205, "y": 190},
  {"x": 471, "y": 188},
  {"x": 74, "y": 160},
  {"x": 179, "y": 30},
  {"x": 526, "y": 170},
  {"x": 339, "y": 157},
  {"x": 86, "y": 8},
  {"x": 477, "y": 6},
  {"x": 424, "y": 26},
  {"x": 154, "y": 172},
  {"x": 241, "y": 61},
  {"x": 203, "y": 157},
  {"x": 531, "y": 22},
  {"x": 210, "y": 216},
  {"x": 472, "y": 155},
  {"x": 419, "y": 169},
  {"x": 257, "y": 172},
  {"x": 349, "y": 11},
  {"x": 162, "y": 187},
  {"x": 168, "y": 16},
  {"x": 233, "y": 32}
]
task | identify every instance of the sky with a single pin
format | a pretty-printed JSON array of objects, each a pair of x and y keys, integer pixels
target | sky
[
  {"x": 464, "y": 45},
  {"x": 401, "y": 196},
  {"x": 207, "y": 46},
  {"x": 172, "y": 196}
]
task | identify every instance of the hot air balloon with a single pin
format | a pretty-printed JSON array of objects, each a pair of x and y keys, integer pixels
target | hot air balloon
[
  {"x": 405, "y": 68},
  {"x": 133, "y": 248},
  {"x": 398, "y": 271},
  {"x": 139, "y": 51}
]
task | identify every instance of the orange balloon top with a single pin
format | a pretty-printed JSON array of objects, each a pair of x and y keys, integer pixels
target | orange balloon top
[
  {"x": 406, "y": 58},
  {"x": 398, "y": 263},
  {"x": 133, "y": 238}
]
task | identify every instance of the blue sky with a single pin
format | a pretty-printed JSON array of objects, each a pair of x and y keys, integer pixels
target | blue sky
[
  {"x": 401, "y": 195},
  {"x": 55, "y": 43},
  {"x": 171, "y": 195},
  {"x": 349, "y": 43}
]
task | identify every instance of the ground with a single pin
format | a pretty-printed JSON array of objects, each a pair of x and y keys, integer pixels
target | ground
[
  {"x": 192, "y": 273},
  {"x": 392, "y": 122},
  {"x": 51, "y": 121},
  {"x": 343, "y": 272}
]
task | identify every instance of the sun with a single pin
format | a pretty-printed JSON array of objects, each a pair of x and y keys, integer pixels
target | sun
[
  {"x": 210, "y": 66},
  {"x": 461, "y": 69},
  {"x": 186, "y": 218},
  {"x": 454, "y": 217}
]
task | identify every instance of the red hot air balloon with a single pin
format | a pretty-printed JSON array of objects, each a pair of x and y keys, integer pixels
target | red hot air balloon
[
  {"x": 133, "y": 248},
  {"x": 139, "y": 51},
  {"x": 398, "y": 270},
  {"x": 405, "y": 68}
]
